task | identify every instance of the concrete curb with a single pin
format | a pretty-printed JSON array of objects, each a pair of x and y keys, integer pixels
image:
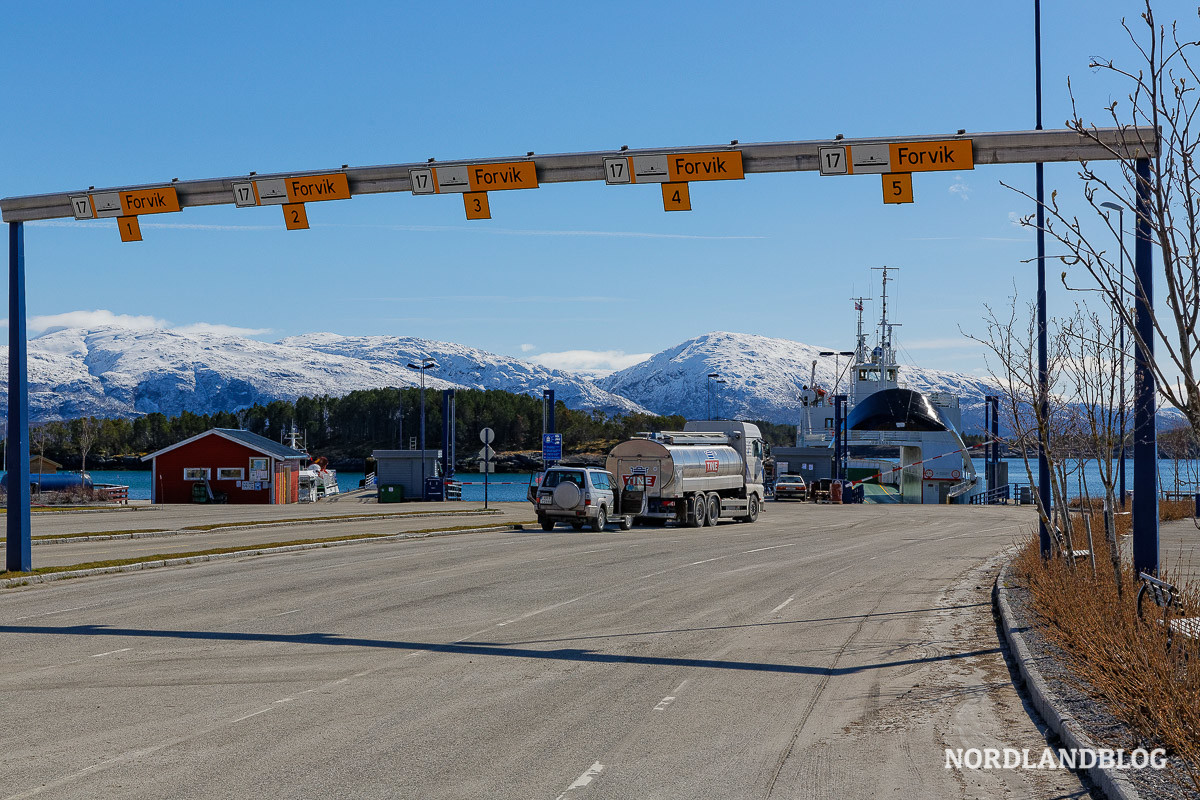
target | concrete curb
[
  {"x": 100, "y": 537},
  {"x": 1112, "y": 782},
  {"x": 29, "y": 580}
]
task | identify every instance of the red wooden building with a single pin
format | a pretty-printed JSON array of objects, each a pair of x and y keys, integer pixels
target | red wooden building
[{"x": 239, "y": 466}]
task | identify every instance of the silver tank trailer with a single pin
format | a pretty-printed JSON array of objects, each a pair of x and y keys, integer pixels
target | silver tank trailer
[{"x": 673, "y": 470}]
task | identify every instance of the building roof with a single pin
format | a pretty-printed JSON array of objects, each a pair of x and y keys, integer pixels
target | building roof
[{"x": 253, "y": 441}]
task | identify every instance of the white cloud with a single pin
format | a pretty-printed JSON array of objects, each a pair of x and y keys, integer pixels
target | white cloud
[
  {"x": 961, "y": 189},
  {"x": 218, "y": 329},
  {"x": 594, "y": 362},
  {"x": 525, "y": 348},
  {"x": 92, "y": 319},
  {"x": 101, "y": 317}
]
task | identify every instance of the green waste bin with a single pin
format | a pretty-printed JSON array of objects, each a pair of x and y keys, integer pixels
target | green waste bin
[{"x": 391, "y": 493}]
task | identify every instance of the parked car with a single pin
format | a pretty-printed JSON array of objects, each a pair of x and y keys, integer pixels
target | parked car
[
  {"x": 577, "y": 496},
  {"x": 791, "y": 486}
]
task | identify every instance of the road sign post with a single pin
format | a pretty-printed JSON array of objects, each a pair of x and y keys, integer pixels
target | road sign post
[
  {"x": 551, "y": 449},
  {"x": 487, "y": 436},
  {"x": 18, "y": 555}
]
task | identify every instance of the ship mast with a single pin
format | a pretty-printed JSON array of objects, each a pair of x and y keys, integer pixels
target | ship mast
[
  {"x": 860, "y": 346},
  {"x": 887, "y": 356}
]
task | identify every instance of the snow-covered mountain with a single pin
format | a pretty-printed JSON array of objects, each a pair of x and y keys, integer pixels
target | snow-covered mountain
[
  {"x": 467, "y": 367},
  {"x": 122, "y": 372},
  {"x": 119, "y": 372},
  {"x": 762, "y": 379}
]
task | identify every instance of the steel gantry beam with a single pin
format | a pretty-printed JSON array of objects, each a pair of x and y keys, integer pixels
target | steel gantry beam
[{"x": 1012, "y": 147}]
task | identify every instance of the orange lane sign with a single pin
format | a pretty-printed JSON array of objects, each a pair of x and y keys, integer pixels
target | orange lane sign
[
  {"x": 897, "y": 187},
  {"x": 149, "y": 201},
  {"x": 722, "y": 166},
  {"x": 931, "y": 156},
  {"x": 318, "y": 187},
  {"x": 513, "y": 175}
]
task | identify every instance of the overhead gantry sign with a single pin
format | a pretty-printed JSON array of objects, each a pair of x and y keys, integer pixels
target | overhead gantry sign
[{"x": 674, "y": 169}]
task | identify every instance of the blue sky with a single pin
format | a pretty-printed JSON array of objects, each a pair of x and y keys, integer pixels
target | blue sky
[{"x": 577, "y": 274}]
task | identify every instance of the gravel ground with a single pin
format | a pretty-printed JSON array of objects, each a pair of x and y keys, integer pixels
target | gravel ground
[{"x": 1100, "y": 726}]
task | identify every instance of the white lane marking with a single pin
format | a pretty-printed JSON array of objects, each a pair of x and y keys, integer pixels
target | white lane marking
[
  {"x": 666, "y": 701},
  {"x": 680, "y": 686},
  {"x": 772, "y": 547},
  {"x": 111, "y": 652},
  {"x": 705, "y": 561},
  {"x": 255, "y": 714},
  {"x": 285, "y": 700},
  {"x": 535, "y": 613},
  {"x": 782, "y": 605},
  {"x": 584, "y": 779},
  {"x": 285, "y": 613},
  {"x": 50, "y": 613}
]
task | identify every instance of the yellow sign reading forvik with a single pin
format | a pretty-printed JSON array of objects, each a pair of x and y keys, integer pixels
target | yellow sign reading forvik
[
  {"x": 931, "y": 156},
  {"x": 149, "y": 201},
  {"x": 723, "y": 166},
  {"x": 513, "y": 175},
  {"x": 318, "y": 187}
]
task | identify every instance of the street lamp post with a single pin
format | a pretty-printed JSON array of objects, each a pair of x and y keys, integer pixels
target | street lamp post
[
  {"x": 426, "y": 364},
  {"x": 1121, "y": 249},
  {"x": 717, "y": 398}
]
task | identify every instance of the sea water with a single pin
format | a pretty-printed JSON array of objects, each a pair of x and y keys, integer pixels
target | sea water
[{"x": 501, "y": 486}]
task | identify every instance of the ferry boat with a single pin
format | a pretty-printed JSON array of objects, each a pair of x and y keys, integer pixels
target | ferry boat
[
  {"x": 905, "y": 442},
  {"x": 316, "y": 480}
]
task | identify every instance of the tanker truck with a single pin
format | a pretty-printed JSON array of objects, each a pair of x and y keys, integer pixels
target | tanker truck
[{"x": 711, "y": 469}]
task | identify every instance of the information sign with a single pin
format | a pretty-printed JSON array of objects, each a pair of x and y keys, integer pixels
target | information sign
[
  {"x": 318, "y": 187},
  {"x": 295, "y": 217},
  {"x": 897, "y": 187},
  {"x": 676, "y": 197},
  {"x": 131, "y": 231},
  {"x": 303, "y": 189},
  {"x": 477, "y": 205},
  {"x": 552, "y": 447},
  {"x": 895, "y": 157},
  {"x": 725, "y": 165}
]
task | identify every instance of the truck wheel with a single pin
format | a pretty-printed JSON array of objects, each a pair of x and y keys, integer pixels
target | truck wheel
[
  {"x": 626, "y": 523},
  {"x": 547, "y": 524},
  {"x": 714, "y": 508},
  {"x": 601, "y": 520},
  {"x": 700, "y": 511},
  {"x": 752, "y": 508}
]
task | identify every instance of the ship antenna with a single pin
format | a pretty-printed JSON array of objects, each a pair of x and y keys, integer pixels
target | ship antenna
[{"x": 885, "y": 330}]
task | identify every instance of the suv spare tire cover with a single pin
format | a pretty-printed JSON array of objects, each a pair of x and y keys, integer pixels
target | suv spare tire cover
[{"x": 566, "y": 495}]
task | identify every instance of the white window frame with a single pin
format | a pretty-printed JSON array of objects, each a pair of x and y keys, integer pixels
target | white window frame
[
  {"x": 189, "y": 473},
  {"x": 231, "y": 473}
]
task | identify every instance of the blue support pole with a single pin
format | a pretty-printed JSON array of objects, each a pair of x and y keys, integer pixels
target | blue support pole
[
  {"x": 1145, "y": 441},
  {"x": 1043, "y": 398},
  {"x": 447, "y": 433},
  {"x": 995, "y": 439},
  {"x": 18, "y": 551},
  {"x": 839, "y": 422}
]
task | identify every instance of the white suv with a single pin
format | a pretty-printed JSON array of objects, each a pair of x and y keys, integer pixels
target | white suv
[{"x": 577, "y": 495}]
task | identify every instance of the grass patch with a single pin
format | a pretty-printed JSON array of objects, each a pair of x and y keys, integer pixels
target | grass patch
[
  {"x": 99, "y": 533},
  {"x": 1111, "y": 656},
  {"x": 121, "y": 562},
  {"x": 337, "y": 518}
]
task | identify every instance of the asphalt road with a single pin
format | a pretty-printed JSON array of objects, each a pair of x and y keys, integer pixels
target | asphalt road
[{"x": 824, "y": 652}]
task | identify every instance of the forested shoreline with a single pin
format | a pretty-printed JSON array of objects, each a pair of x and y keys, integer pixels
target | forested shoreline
[{"x": 346, "y": 429}]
